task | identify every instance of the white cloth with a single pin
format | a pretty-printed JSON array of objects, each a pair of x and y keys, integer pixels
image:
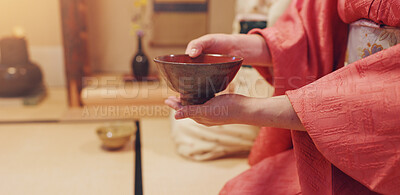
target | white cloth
[
  {"x": 276, "y": 10},
  {"x": 367, "y": 38},
  {"x": 199, "y": 142}
]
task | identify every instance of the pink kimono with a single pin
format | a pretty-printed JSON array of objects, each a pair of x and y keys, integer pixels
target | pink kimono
[{"x": 352, "y": 115}]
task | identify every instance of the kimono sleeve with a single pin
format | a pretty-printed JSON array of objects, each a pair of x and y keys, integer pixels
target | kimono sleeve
[
  {"x": 307, "y": 42},
  {"x": 353, "y": 117}
]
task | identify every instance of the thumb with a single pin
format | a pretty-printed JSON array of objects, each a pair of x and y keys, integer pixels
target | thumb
[
  {"x": 194, "y": 49},
  {"x": 199, "y": 45},
  {"x": 194, "y": 52}
]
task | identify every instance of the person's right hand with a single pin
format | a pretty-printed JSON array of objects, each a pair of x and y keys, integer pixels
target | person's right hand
[{"x": 252, "y": 48}]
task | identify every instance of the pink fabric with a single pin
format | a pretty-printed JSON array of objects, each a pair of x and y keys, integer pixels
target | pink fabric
[
  {"x": 269, "y": 142},
  {"x": 299, "y": 60},
  {"x": 259, "y": 178},
  {"x": 380, "y": 11},
  {"x": 355, "y": 120},
  {"x": 352, "y": 145}
]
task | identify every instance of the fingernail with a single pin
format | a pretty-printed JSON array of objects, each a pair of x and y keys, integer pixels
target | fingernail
[{"x": 193, "y": 52}]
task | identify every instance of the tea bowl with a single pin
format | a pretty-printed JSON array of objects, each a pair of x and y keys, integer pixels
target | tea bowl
[
  {"x": 115, "y": 136},
  {"x": 198, "y": 79}
]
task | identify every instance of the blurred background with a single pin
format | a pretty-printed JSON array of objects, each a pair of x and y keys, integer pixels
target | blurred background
[
  {"x": 82, "y": 106},
  {"x": 109, "y": 27}
]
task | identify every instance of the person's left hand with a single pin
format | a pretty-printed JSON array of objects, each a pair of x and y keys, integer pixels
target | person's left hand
[{"x": 222, "y": 109}]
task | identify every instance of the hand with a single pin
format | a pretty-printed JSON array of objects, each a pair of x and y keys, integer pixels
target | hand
[
  {"x": 237, "y": 109},
  {"x": 252, "y": 48},
  {"x": 222, "y": 109}
]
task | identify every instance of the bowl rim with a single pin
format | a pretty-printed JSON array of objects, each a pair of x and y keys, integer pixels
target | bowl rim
[
  {"x": 157, "y": 59},
  {"x": 102, "y": 131}
]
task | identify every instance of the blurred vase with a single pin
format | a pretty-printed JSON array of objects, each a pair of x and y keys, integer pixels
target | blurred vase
[
  {"x": 18, "y": 76},
  {"x": 140, "y": 62}
]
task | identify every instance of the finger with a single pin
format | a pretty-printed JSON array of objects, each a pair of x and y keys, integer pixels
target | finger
[
  {"x": 173, "y": 104},
  {"x": 174, "y": 98},
  {"x": 193, "y": 49},
  {"x": 198, "y": 46}
]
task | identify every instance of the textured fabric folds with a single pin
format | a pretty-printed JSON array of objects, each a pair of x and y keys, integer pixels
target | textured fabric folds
[{"x": 352, "y": 143}]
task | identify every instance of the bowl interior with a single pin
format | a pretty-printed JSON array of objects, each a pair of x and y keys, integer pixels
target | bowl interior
[
  {"x": 115, "y": 132},
  {"x": 207, "y": 59},
  {"x": 198, "y": 79}
]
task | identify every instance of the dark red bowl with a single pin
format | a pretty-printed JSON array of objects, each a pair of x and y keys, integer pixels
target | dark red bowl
[{"x": 198, "y": 79}]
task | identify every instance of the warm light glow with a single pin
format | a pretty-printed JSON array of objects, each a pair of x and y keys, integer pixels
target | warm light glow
[
  {"x": 19, "y": 32},
  {"x": 109, "y": 134},
  {"x": 11, "y": 70}
]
